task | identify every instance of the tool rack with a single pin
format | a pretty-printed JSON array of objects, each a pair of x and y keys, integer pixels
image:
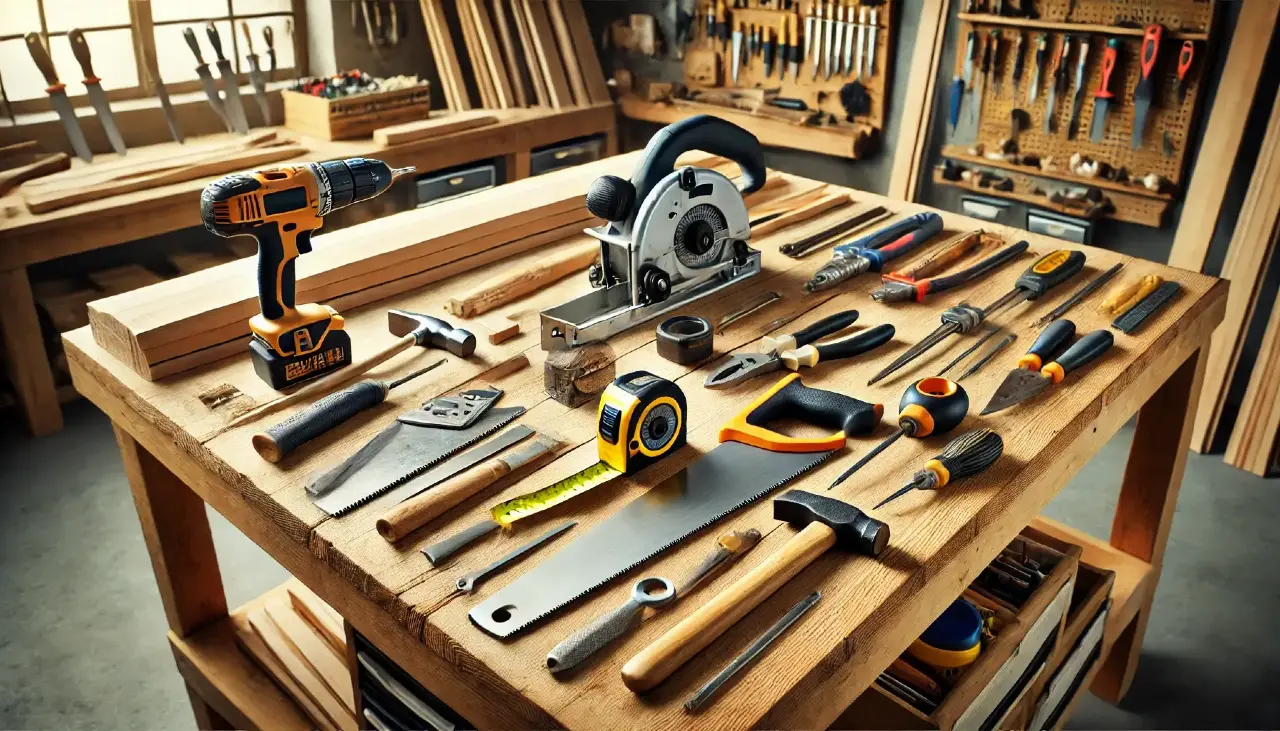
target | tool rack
[
  {"x": 1099, "y": 20},
  {"x": 413, "y": 613},
  {"x": 707, "y": 68}
]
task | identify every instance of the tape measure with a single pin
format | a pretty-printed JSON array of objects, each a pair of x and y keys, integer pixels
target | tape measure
[{"x": 641, "y": 419}]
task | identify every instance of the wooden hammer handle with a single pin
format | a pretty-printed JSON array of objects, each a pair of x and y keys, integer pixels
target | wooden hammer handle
[
  {"x": 665, "y": 655},
  {"x": 414, "y": 513}
]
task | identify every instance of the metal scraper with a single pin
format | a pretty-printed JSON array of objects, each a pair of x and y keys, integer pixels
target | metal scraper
[{"x": 408, "y": 451}]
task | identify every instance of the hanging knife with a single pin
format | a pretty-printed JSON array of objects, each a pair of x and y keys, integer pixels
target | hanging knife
[
  {"x": 206, "y": 78},
  {"x": 818, "y": 26},
  {"x": 827, "y": 29},
  {"x": 255, "y": 76},
  {"x": 57, "y": 92},
  {"x": 269, "y": 37},
  {"x": 152, "y": 70},
  {"x": 841, "y": 25},
  {"x": 871, "y": 43},
  {"x": 230, "y": 83},
  {"x": 736, "y": 59},
  {"x": 808, "y": 30},
  {"x": 855, "y": 64},
  {"x": 1042, "y": 51},
  {"x": 93, "y": 85}
]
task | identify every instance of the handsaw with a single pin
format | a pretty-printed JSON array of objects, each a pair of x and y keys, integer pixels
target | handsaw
[{"x": 750, "y": 462}]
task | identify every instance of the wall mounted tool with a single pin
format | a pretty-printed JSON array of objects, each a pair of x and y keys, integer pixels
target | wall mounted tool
[
  {"x": 93, "y": 87},
  {"x": 1024, "y": 382},
  {"x": 280, "y": 207},
  {"x": 57, "y": 92},
  {"x": 898, "y": 289},
  {"x": 151, "y": 67},
  {"x": 1048, "y": 272},
  {"x": 872, "y": 252},
  {"x": 1145, "y": 93},
  {"x": 929, "y": 406},
  {"x": 827, "y": 523},
  {"x": 641, "y": 419},
  {"x": 1104, "y": 96},
  {"x": 652, "y": 593},
  {"x": 468, "y": 583},
  {"x": 653, "y": 262},
  {"x": 206, "y": 80},
  {"x": 745, "y": 366},
  {"x": 256, "y": 76},
  {"x": 230, "y": 82},
  {"x": 964, "y": 456},
  {"x": 1130, "y": 321},
  {"x": 1077, "y": 100},
  {"x": 750, "y": 462},
  {"x": 1076, "y": 297}
]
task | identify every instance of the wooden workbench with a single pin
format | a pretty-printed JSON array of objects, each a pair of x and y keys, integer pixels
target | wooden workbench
[
  {"x": 28, "y": 238},
  {"x": 872, "y": 609}
]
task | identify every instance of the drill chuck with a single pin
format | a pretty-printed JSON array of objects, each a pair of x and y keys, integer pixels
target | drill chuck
[{"x": 343, "y": 182}]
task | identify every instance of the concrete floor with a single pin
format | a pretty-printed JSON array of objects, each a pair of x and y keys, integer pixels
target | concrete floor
[{"x": 83, "y": 644}]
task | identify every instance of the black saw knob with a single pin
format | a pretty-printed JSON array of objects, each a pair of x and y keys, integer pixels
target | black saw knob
[
  {"x": 610, "y": 197},
  {"x": 654, "y": 283}
]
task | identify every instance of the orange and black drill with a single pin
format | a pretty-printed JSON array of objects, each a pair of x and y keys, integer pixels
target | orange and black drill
[{"x": 280, "y": 207}]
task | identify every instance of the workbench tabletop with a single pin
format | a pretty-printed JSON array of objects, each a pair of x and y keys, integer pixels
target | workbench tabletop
[{"x": 871, "y": 608}]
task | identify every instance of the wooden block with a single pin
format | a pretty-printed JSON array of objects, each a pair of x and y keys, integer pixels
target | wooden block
[
  {"x": 322, "y": 617},
  {"x": 124, "y": 279},
  {"x": 913, "y": 132},
  {"x": 585, "y": 50},
  {"x": 574, "y": 377},
  {"x": 36, "y": 168},
  {"x": 511, "y": 286},
  {"x": 502, "y": 335},
  {"x": 302, "y": 673},
  {"x": 318, "y": 653},
  {"x": 548, "y": 57},
  {"x": 555, "y": 12},
  {"x": 436, "y": 126},
  {"x": 1253, "y": 440}
]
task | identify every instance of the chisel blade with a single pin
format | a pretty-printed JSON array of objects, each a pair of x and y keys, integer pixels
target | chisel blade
[
  {"x": 70, "y": 125},
  {"x": 1017, "y": 387},
  {"x": 98, "y": 98},
  {"x": 1140, "y": 109},
  {"x": 259, "y": 90},
  {"x": 235, "y": 111},
  {"x": 1098, "y": 127},
  {"x": 211, "y": 93}
]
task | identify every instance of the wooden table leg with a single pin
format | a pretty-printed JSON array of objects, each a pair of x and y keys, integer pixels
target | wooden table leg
[
  {"x": 1148, "y": 497},
  {"x": 176, "y": 529},
  {"x": 29, "y": 368}
]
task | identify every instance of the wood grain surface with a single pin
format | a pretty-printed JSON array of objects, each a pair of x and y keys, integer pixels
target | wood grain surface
[{"x": 872, "y": 608}]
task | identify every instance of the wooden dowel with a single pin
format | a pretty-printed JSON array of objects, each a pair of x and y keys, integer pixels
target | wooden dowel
[{"x": 509, "y": 287}]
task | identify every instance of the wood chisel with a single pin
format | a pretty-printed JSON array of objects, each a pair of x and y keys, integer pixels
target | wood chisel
[
  {"x": 735, "y": 61},
  {"x": 1082, "y": 53},
  {"x": 648, "y": 596},
  {"x": 1144, "y": 93},
  {"x": 57, "y": 92},
  {"x": 838, "y": 44},
  {"x": 810, "y": 19},
  {"x": 1103, "y": 96},
  {"x": 819, "y": 26},
  {"x": 1041, "y": 55},
  {"x": 1024, "y": 383},
  {"x": 750, "y": 462},
  {"x": 828, "y": 30},
  {"x": 768, "y": 51},
  {"x": 964, "y": 456},
  {"x": 230, "y": 82},
  {"x": 1057, "y": 85},
  {"x": 1048, "y": 272},
  {"x": 1186, "y": 57},
  {"x": 1019, "y": 64},
  {"x": 871, "y": 42},
  {"x": 784, "y": 48},
  {"x": 93, "y": 87}
]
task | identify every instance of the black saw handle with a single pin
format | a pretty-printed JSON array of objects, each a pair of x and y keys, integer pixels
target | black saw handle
[
  {"x": 789, "y": 398},
  {"x": 701, "y": 132}
]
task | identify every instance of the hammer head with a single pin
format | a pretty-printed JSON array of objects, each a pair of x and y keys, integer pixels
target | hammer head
[
  {"x": 431, "y": 331},
  {"x": 855, "y": 530}
]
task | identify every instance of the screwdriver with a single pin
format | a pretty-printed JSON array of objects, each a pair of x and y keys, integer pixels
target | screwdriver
[
  {"x": 278, "y": 441},
  {"x": 929, "y": 406},
  {"x": 1185, "y": 58},
  {"x": 1048, "y": 272},
  {"x": 964, "y": 456}
]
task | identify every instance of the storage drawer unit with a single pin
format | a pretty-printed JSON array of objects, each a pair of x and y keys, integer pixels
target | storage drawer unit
[
  {"x": 566, "y": 154},
  {"x": 1075, "y": 230},
  {"x": 444, "y": 185},
  {"x": 994, "y": 210}
]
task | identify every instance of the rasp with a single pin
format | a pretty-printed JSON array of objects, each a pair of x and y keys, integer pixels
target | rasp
[
  {"x": 230, "y": 82},
  {"x": 57, "y": 92},
  {"x": 93, "y": 86},
  {"x": 255, "y": 76},
  {"x": 206, "y": 79},
  {"x": 714, "y": 485}
]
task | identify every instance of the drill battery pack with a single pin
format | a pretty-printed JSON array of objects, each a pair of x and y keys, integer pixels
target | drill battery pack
[{"x": 306, "y": 344}]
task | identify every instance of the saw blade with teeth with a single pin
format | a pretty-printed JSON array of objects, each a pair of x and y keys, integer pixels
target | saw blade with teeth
[{"x": 716, "y": 484}]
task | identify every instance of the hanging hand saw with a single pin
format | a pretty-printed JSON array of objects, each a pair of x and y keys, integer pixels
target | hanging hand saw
[{"x": 750, "y": 462}]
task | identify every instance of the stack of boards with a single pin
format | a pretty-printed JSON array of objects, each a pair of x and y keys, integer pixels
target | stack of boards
[
  {"x": 301, "y": 643},
  {"x": 521, "y": 53}
]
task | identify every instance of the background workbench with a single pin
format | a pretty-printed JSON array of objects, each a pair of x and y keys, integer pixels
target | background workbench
[
  {"x": 872, "y": 609},
  {"x": 28, "y": 239}
]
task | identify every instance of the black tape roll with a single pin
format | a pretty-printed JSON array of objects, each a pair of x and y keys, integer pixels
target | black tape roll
[{"x": 685, "y": 339}]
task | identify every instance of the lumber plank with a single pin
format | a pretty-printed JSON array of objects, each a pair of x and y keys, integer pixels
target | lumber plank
[
  {"x": 1253, "y": 438},
  {"x": 328, "y": 663},
  {"x": 515, "y": 65},
  {"x": 584, "y": 49},
  {"x": 917, "y": 101},
  {"x": 548, "y": 58},
  {"x": 1220, "y": 145},
  {"x": 573, "y": 70},
  {"x": 258, "y": 650},
  {"x": 436, "y": 126},
  {"x": 47, "y": 165},
  {"x": 1248, "y": 257},
  {"x": 528, "y": 52},
  {"x": 301, "y": 671},
  {"x": 475, "y": 55},
  {"x": 322, "y": 617},
  {"x": 512, "y": 286},
  {"x": 444, "y": 55},
  {"x": 492, "y": 54}
]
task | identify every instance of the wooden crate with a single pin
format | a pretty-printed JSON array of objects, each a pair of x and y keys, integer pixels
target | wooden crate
[{"x": 354, "y": 116}]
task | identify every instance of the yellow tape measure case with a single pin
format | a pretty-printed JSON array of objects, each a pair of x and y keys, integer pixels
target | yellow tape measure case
[{"x": 641, "y": 419}]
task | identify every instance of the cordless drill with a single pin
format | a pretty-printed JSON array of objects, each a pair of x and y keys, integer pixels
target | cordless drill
[{"x": 280, "y": 207}]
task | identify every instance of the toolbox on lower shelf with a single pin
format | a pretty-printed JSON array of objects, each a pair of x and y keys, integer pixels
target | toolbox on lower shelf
[
  {"x": 391, "y": 699},
  {"x": 566, "y": 154}
]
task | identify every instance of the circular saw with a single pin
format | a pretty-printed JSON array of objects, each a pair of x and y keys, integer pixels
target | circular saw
[{"x": 670, "y": 236}]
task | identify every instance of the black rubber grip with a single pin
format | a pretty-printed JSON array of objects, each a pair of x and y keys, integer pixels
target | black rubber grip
[
  {"x": 855, "y": 530},
  {"x": 701, "y": 132},
  {"x": 1085, "y": 350},
  {"x": 1151, "y": 304},
  {"x": 270, "y": 260},
  {"x": 824, "y": 327},
  {"x": 827, "y": 409},
  {"x": 982, "y": 268},
  {"x": 855, "y": 344},
  {"x": 1037, "y": 284},
  {"x": 971, "y": 452},
  {"x": 321, "y": 416},
  {"x": 1053, "y": 340}
]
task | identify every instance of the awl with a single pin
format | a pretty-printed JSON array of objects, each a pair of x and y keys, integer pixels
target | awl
[
  {"x": 93, "y": 86},
  {"x": 230, "y": 82},
  {"x": 1104, "y": 95},
  {"x": 206, "y": 79},
  {"x": 1145, "y": 92},
  {"x": 255, "y": 75},
  {"x": 57, "y": 92}
]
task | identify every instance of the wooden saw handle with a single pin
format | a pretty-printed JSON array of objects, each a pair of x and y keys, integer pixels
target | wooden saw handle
[
  {"x": 666, "y": 654},
  {"x": 415, "y": 512}
]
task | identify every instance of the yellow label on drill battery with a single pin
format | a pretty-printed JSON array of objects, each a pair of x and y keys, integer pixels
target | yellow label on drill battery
[{"x": 504, "y": 514}]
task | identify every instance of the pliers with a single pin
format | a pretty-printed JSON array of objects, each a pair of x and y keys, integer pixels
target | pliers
[
  {"x": 794, "y": 350},
  {"x": 902, "y": 286},
  {"x": 873, "y": 251}
]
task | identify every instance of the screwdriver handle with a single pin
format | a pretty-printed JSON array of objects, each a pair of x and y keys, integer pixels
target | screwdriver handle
[
  {"x": 811, "y": 355},
  {"x": 80, "y": 49},
  {"x": 1185, "y": 57},
  {"x": 1147, "y": 62},
  {"x": 928, "y": 225},
  {"x": 1019, "y": 58},
  {"x": 1049, "y": 271},
  {"x": 1109, "y": 55},
  {"x": 280, "y": 440},
  {"x": 1084, "y": 351},
  {"x": 1051, "y": 342},
  {"x": 193, "y": 43},
  {"x": 932, "y": 406}
]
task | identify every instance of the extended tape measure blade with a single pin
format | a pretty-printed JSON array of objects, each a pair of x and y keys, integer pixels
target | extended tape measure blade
[{"x": 506, "y": 513}]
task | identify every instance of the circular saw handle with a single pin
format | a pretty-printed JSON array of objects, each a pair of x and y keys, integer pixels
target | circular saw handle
[{"x": 708, "y": 134}]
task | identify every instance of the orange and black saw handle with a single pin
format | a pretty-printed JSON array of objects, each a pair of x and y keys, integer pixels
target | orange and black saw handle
[
  {"x": 1110, "y": 53},
  {"x": 1084, "y": 351},
  {"x": 1052, "y": 341},
  {"x": 1150, "y": 51},
  {"x": 791, "y": 399}
]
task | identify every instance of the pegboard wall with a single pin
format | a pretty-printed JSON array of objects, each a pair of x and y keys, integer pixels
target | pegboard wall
[{"x": 1170, "y": 118}]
